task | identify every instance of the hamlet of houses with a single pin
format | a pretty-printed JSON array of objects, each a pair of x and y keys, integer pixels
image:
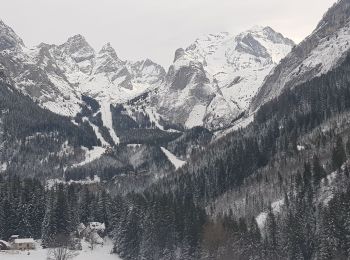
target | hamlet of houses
[{"x": 93, "y": 233}]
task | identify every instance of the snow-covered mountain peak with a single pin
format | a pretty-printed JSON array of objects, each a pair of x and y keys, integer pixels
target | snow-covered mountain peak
[
  {"x": 268, "y": 34},
  {"x": 8, "y": 38},
  {"x": 178, "y": 54},
  {"x": 107, "y": 60},
  {"x": 107, "y": 48},
  {"x": 217, "y": 51},
  {"x": 78, "y": 48},
  {"x": 215, "y": 78},
  {"x": 77, "y": 39}
]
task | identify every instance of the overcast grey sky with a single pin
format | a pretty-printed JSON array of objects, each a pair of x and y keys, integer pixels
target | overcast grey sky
[{"x": 154, "y": 29}]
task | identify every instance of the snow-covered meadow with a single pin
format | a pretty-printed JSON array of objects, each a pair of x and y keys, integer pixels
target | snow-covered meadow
[{"x": 99, "y": 252}]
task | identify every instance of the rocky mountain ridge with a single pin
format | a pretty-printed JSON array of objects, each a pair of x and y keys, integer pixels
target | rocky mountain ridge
[
  {"x": 210, "y": 83},
  {"x": 57, "y": 75}
]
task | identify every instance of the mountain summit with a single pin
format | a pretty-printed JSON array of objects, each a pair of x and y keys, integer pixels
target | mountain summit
[
  {"x": 212, "y": 81},
  {"x": 8, "y": 38}
]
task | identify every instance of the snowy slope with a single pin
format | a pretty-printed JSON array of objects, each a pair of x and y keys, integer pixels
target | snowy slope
[{"x": 173, "y": 159}]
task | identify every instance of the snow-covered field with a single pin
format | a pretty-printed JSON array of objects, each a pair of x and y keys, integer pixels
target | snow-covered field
[
  {"x": 99, "y": 253},
  {"x": 173, "y": 159}
]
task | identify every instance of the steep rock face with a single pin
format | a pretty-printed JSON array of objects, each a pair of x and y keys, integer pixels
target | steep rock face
[
  {"x": 107, "y": 60},
  {"x": 8, "y": 38},
  {"x": 212, "y": 82},
  {"x": 317, "y": 54},
  {"x": 78, "y": 48},
  {"x": 186, "y": 94}
]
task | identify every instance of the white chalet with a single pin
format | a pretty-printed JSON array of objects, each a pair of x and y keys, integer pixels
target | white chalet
[{"x": 23, "y": 244}]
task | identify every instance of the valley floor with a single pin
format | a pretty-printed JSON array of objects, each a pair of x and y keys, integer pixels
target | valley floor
[{"x": 99, "y": 252}]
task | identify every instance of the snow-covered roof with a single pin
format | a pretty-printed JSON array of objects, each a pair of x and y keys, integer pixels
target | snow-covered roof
[
  {"x": 81, "y": 227},
  {"x": 7, "y": 244},
  {"x": 23, "y": 240},
  {"x": 97, "y": 226}
]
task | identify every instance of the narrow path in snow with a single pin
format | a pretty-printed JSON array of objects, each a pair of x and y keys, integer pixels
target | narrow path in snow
[
  {"x": 173, "y": 159},
  {"x": 107, "y": 120},
  {"x": 97, "y": 133}
]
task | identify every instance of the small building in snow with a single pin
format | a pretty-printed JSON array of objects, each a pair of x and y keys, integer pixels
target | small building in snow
[
  {"x": 97, "y": 226},
  {"x": 23, "y": 244},
  {"x": 4, "y": 245}
]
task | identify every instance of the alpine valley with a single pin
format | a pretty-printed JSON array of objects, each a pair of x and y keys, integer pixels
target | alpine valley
[{"x": 239, "y": 150}]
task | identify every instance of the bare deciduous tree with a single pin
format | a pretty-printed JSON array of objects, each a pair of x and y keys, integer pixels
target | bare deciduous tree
[
  {"x": 63, "y": 250},
  {"x": 61, "y": 253},
  {"x": 92, "y": 238}
]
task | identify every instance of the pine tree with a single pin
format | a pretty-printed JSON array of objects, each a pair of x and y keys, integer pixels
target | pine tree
[
  {"x": 271, "y": 234},
  {"x": 61, "y": 213},
  {"x": 85, "y": 206},
  {"x": 49, "y": 229},
  {"x": 2, "y": 221},
  {"x": 318, "y": 172},
  {"x": 338, "y": 154},
  {"x": 73, "y": 208},
  {"x": 347, "y": 145}
]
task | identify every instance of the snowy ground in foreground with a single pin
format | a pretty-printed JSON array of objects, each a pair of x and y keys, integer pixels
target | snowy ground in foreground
[{"x": 99, "y": 253}]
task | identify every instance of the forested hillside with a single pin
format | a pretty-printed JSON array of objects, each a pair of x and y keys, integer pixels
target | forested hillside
[
  {"x": 275, "y": 153},
  {"x": 35, "y": 141}
]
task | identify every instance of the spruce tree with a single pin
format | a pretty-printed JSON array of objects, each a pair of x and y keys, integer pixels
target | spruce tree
[
  {"x": 318, "y": 172},
  {"x": 338, "y": 154},
  {"x": 49, "y": 230},
  {"x": 62, "y": 213}
]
